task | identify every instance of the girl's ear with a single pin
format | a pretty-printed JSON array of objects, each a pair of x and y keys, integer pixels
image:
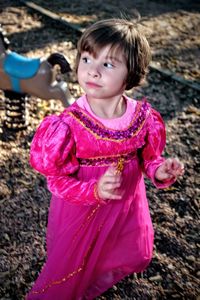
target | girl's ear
[{"x": 125, "y": 82}]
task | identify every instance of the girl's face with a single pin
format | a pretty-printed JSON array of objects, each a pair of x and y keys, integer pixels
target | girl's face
[{"x": 103, "y": 76}]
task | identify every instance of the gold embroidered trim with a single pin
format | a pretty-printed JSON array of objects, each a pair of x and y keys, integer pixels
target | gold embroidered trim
[
  {"x": 64, "y": 279},
  {"x": 103, "y": 161},
  {"x": 84, "y": 223},
  {"x": 96, "y": 193},
  {"x": 120, "y": 165}
]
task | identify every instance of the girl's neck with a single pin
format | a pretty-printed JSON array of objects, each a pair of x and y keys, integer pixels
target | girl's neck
[{"x": 108, "y": 109}]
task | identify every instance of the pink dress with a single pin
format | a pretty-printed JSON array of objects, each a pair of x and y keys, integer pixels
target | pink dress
[{"x": 91, "y": 243}]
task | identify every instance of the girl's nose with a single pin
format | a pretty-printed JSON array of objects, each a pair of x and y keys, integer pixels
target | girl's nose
[{"x": 93, "y": 71}]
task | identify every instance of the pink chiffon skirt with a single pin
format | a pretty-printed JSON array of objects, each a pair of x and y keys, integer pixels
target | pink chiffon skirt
[{"x": 90, "y": 248}]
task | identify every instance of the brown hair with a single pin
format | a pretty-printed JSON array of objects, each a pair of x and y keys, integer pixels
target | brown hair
[{"x": 122, "y": 35}]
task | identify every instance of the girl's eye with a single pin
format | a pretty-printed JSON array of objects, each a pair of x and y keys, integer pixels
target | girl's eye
[
  {"x": 86, "y": 60},
  {"x": 108, "y": 65}
]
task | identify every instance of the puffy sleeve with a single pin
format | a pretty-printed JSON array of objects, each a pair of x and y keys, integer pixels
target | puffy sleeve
[
  {"x": 52, "y": 154},
  {"x": 150, "y": 154}
]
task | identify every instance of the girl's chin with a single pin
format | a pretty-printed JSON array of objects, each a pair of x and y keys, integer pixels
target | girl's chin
[{"x": 93, "y": 94}]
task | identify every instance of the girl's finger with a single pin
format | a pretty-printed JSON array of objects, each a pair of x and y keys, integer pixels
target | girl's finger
[
  {"x": 112, "y": 179},
  {"x": 111, "y": 186},
  {"x": 177, "y": 167},
  {"x": 112, "y": 196},
  {"x": 110, "y": 171},
  {"x": 176, "y": 164},
  {"x": 168, "y": 164}
]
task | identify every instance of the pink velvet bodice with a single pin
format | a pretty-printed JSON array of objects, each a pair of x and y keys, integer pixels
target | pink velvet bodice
[{"x": 65, "y": 144}]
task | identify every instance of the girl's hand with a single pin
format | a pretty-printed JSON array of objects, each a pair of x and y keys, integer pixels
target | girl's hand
[
  {"x": 108, "y": 185},
  {"x": 171, "y": 168}
]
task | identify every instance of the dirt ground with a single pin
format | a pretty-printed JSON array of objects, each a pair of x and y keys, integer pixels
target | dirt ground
[{"x": 173, "y": 29}]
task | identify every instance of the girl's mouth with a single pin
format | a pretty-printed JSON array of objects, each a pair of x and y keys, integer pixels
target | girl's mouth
[{"x": 92, "y": 84}]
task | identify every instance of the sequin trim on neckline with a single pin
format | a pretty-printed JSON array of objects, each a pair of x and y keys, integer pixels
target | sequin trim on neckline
[{"x": 100, "y": 131}]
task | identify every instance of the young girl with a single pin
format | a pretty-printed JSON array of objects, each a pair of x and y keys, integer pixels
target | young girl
[{"x": 94, "y": 156}]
